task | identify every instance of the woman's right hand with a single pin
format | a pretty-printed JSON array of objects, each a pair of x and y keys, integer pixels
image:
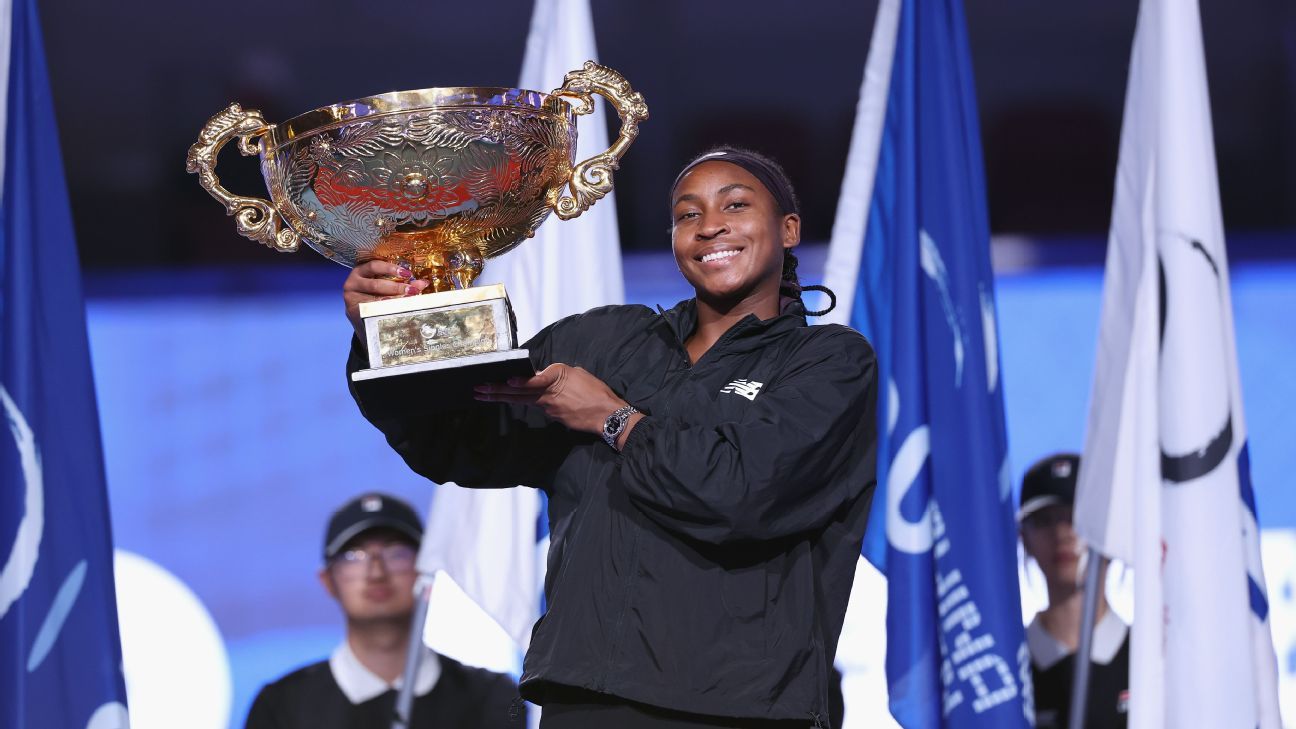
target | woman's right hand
[{"x": 376, "y": 280}]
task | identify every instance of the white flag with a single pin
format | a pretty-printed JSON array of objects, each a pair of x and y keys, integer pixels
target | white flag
[
  {"x": 569, "y": 266},
  {"x": 1164, "y": 481},
  {"x": 846, "y": 249},
  {"x": 486, "y": 540}
]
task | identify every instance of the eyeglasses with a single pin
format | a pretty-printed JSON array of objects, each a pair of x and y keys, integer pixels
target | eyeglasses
[{"x": 396, "y": 558}]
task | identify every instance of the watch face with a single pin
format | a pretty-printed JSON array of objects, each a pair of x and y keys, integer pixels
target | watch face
[{"x": 615, "y": 423}]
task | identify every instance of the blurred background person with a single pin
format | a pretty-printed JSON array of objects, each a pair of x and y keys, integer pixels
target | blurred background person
[
  {"x": 369, "y": 553},
  {"x": 1044, "y": 519}
]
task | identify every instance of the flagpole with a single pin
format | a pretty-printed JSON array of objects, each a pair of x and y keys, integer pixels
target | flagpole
[
  {"x": 405, "y": 697},
  {"x": 1084, "y": 649}
]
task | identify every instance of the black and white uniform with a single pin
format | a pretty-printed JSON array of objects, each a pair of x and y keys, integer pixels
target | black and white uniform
[
  {"x": 341, "y": 693},
  {"x": 1052, "y": 667}
]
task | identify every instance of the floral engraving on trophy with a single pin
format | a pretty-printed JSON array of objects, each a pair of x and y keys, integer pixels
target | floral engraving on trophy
[
  {"x": 440, "y": 178},
  {"x": 442, "y": 189},
  {"x": 426, "y": 177}
]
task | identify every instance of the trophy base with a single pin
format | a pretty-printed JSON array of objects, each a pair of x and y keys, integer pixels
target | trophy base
[
  {"x": 445, "y": 384},
  {"x": 426, "y": 352},
  {"x": 438, "y": 326}
]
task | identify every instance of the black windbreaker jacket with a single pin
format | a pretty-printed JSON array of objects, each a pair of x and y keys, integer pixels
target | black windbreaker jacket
[{"x": 707, "y": 566}]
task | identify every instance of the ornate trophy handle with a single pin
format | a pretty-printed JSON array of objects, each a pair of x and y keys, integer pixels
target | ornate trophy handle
[
  {"x": 256, "y": 218},
  {"x": 591, "y": 180}
]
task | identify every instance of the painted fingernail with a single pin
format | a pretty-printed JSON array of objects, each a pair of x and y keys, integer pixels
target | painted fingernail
[
  {"x": 403, "y": 272},
  {"x": 411, "y": 290}
]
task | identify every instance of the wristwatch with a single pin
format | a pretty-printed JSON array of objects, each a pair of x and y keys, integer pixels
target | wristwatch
[{"x": 616, "y": 423}]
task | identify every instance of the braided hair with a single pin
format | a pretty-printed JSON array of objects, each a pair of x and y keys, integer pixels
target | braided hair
[
  {"x": 790, "y": 285},
  {"x": 773, "y": 177}
]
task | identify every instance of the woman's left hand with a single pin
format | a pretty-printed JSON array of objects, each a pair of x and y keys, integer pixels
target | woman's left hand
[{"x": 568, "y": 395}]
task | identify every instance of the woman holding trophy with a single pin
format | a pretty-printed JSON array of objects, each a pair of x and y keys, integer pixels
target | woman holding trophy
[
  {"x": 709, "y": 468},
  {"x": 709, "y": 472}
]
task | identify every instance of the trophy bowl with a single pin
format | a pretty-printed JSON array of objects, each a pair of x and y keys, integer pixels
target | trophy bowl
[{"x": 436, "y": 179}]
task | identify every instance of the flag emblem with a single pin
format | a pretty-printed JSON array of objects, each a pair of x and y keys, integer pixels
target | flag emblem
[
  {"x": 60, "y": 654},
  {"x": 910, "y": 259}
]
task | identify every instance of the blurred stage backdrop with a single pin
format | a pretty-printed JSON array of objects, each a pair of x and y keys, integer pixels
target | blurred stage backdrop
[
  {"x": 229, "y": 437},
  {"x": 229, "y": 434}
]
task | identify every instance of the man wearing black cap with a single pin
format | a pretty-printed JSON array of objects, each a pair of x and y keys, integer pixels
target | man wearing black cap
[
  {"x": 370, "y": 550},
  {"x": 1047, "y": 500}
]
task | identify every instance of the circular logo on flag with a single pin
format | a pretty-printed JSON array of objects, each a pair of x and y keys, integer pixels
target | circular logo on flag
[{"x": 20, "y": 562}]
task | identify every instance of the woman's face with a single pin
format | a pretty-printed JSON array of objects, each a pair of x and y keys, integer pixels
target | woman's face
[
  {"x": 1049, "y": 538},
  {"x": 728, "y": 234}
]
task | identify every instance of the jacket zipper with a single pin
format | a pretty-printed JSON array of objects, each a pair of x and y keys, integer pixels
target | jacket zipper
[{"x": 724, "y": 339}]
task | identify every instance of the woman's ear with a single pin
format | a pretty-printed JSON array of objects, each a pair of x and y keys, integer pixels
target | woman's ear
[{"x": 791, "y": 230}]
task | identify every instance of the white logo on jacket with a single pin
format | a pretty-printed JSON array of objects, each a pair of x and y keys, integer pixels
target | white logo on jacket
[{"x": 746, "y": 388}]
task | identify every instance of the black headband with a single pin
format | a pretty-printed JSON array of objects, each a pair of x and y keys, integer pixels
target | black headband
[{"x": 759, "y": 168}]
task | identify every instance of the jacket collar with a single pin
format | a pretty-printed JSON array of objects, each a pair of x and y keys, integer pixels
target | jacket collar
[
  {"x": 749, "y": 333},
  {"x": 1046, "y": 651},
  {"x": 359, "y": 684}
]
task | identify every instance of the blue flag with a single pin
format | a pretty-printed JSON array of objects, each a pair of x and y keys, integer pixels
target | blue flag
[
  {"x": 922, "y": 290},
  {"x": 60, "y": 657}
]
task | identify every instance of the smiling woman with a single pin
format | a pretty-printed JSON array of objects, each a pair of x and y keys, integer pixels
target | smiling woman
[
  {"x": 709, "y": 472},
  {"x": 731, "y": 234},
  {"x": 736, "y": 223}
]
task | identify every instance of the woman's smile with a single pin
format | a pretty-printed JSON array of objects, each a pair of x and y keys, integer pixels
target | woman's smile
[{"x": 720, "y": 256}]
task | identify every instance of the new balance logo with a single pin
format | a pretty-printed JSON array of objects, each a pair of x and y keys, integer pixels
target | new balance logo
[{"x": 746, "y": 388}]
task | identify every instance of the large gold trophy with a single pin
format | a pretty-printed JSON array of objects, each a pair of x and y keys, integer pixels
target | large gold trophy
[{"x": 438, "y": 180}]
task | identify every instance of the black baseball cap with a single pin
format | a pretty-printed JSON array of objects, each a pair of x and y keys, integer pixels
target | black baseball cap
[
  {"x": 370, "y": 511},
  {"x": 1052, "y": 480}
]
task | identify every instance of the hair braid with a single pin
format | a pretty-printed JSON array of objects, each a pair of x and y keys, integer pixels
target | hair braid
[{"x": 791, "y": 287}]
